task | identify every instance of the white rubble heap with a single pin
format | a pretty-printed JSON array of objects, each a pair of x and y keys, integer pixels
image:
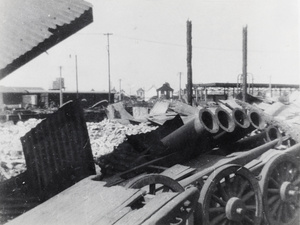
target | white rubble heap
[
  {"x": 12, "y": 161},
  {"x": 104, "y": 136},
  {"x": 108, "y": 134}
]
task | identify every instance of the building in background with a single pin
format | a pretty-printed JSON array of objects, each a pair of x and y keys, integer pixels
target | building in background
[
  {"x": 140, "y": 93},
  {"x": 56, "y": 84},
  {"x": 165, "y": 91},
  {"x": 35, "y": 97}
]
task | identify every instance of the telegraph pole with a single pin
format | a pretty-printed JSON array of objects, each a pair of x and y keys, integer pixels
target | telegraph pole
[
  {"x": 76, "y": 76},
  {"x": 120, "y": 97},
  {"x": 179, "y": 85},
  {"x": 244, "y": 63},
  {"x": 60, "y": 87},
  {"x": 108, "y": 53},
  {"x": 189, "y": 63},
  {"x": 270, "y": 87}
]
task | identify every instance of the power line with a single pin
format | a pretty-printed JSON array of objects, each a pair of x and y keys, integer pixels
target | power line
[{"x": 194, "y": 46}]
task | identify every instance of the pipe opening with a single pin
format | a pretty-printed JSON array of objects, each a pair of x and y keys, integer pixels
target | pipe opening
[
  {"x": 225, "y": 120},
  {"x": 208, "y": 121},
  {"x": 256, "y": 120},
  {"x": 273, "y": 133},
  {"x": 240, "y": 118}
]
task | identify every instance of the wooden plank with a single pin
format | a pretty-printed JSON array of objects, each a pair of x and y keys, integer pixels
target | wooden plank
[
  {"x": 178, "y": 171},
  {"x": 121, "y": 210},
  {"x": 140, "y": 215},
  {"x": 84, "y": 203}
]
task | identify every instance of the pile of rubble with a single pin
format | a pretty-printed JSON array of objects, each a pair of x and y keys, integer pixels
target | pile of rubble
[
  {"x": 12, "y": 161},
  {"x": 106, "y": 135}
]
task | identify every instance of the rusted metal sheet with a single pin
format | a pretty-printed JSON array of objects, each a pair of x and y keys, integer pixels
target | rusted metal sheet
[
  {"x": 58, "y": 151},
  {"x": 29, "y": 28}
]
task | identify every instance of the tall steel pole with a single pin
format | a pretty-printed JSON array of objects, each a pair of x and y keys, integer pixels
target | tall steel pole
[
  {"x": 244, "y": 63},
  {"x": 108, "y": 53},
  {"x": 60, "y": 87}
]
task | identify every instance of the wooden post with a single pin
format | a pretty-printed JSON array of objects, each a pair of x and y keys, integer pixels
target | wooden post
[
  {"x": 244, "y": 63},
  {"x": 180, "y": 86},
  {"x": 120, "y": 92},
  {"x": 108, "y": 54},
  {"x": 76, "y": 76},
  {"x": 60, "y": 87},
  {"x": 189, "y": 63}
]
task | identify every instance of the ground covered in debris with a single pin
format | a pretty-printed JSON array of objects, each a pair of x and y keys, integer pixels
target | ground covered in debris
[
  {"x": 111, "y": 134},
  {"x": 104, "y": 137}
]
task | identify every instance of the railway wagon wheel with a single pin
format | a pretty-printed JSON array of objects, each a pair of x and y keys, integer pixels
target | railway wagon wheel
[
  {"x": 156, "y": 182},
  {"x": 231, "y": 196},
  {"x": 280, "y": 185}
]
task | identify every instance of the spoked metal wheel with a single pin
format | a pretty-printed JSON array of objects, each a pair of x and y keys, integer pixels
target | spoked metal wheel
[
  {"x": 156, "y": 182},
  {"x": 231, "y": 195},
  {"x": 280, "y": 185}
]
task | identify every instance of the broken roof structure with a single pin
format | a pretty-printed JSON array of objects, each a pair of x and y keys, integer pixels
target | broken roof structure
[{"x": 29, "y": 28}]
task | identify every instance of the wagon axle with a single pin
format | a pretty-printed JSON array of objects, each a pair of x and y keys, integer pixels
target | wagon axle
[
  {"x": 288, "y": 192},
  {"x": 235, "y": 209}
]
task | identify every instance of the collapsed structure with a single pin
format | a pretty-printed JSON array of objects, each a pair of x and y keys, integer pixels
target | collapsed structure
[{"x": 187, "y": 147}]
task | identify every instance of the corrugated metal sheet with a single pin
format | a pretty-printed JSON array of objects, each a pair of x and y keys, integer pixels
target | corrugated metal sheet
[
  {"x": 58, "y": 151},
  {"x": 29, "y": 28}
]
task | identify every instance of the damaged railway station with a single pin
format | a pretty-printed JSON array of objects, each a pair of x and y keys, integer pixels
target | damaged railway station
[{"x": 226, "y": 161}]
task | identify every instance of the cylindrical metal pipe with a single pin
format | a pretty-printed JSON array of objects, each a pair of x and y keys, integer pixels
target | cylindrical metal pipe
[
  {"x": 294, "y": 150},
  {"x": 269, "y": 134},
  {"x": 194, "y": 137},
  {"x": 240, "y": 118},
  {"x": 208, "y": 120},
  {"x": 241, "y": 129},
  {"x": 256, "y": 120},
  {"x": 224, "y": 120}
]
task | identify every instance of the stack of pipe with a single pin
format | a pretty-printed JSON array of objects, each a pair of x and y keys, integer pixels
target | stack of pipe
[
  {"x": 244, "y": 125},
  {"x": 220, "y": 128}
]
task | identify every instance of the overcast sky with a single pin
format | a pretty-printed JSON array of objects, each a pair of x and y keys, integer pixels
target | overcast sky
[{"x": 148, "y": 45}]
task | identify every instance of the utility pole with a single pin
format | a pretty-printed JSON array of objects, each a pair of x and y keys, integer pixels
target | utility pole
[
  {"x": 60, "y": 88},
  {"x": 76, "y": 76},
  {"x": 108, "y": 53},
  {"x": 244, "y": 63},
  {"x": 179, "y": 85},
  {"x": 120, "y": 97},
  {"x": 189, "y": 63},
  {"x": 270, "y": 87}
]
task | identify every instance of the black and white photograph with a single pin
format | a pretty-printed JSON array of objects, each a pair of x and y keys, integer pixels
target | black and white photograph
[{"x": 143, "y": 112}]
